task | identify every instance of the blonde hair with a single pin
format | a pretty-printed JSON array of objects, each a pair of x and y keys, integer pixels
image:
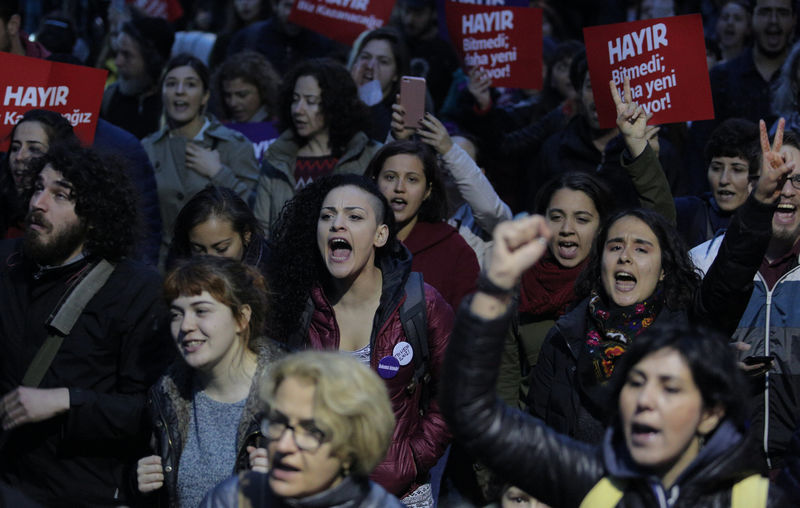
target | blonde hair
[{"x": 351, "y": 405}]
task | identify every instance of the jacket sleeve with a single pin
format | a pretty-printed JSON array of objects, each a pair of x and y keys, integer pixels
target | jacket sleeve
[
  {"x": 430, "y": 440},
  {"x": 521, "y": 449},
  {"x": 487, "y": 207},
  {"x": 239, "y": 170},
  {"x": 144, "y": 352},
  {"x": 224, "y": 495},
  {"x": 541, "y": 378},
  {"x": 726, "y": 288},
  {"x": 650, "y": 182}
]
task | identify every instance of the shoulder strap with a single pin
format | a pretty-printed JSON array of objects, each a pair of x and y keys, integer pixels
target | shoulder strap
[
  {"x": 64, "y": 319},
  {"x": 606, "y": 493},
  {"x": 750, "y": 493},
  {"x": 415, "y": 327}
]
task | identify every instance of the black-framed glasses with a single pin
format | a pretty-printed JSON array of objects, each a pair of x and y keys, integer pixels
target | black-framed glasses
[
  {"x": 306, "y": 436},
  {"x": 795, "y": 179}
]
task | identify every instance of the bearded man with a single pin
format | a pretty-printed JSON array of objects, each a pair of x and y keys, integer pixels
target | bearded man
[
  {"x": 133, "y": 102},
  {"x": 69, "y": 436}
]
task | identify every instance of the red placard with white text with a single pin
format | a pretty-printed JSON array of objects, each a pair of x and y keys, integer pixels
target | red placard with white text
[
  {"x": 28, "y": 83},
  {"x": 341, "y": 20},
  {"x": 504, "y": 41},
  {"x": 665, "y": 60}
]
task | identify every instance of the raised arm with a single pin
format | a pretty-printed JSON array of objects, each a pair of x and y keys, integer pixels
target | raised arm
[
  {"x": 521, "y": 449},
  {"x": 643, "y": 165},
  {"x": 726, "y": 288},
  {"x": 487, "y": 207}
]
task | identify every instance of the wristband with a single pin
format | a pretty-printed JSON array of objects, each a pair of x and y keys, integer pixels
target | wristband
[{"x": 485, "y": 285}]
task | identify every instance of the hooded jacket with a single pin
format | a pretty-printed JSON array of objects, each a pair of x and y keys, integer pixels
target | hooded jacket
[
  {"x": 554, "y": 468},
  {"x": 418, "y": 439},
  {"x": 170, "y": 413}
]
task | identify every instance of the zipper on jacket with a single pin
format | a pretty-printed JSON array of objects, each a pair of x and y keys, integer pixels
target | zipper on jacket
[{"x": 766, "y": 374}]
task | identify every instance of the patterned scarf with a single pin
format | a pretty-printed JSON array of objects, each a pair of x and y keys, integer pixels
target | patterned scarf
[{"x": 611, "y": 329}]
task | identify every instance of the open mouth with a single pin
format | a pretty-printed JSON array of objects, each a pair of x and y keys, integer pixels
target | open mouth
[
  {"x": 191, "y": 345},
  {"x": 180, "y": 106},
  {"x": 785, "y": 214},
  {"x": 398, "y": 204},
  {"x": 624, "y": 281},
  {"x": 340, "y": 249},
  {"x": 567, "y": 250},
  {"x": 641, "y": 433},
  {"x": 283, "y": 471}
]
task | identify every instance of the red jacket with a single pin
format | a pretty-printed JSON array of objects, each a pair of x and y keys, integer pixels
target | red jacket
[
  {"x": 444, "y": 258},
  {"x": 418, "y": 440}
]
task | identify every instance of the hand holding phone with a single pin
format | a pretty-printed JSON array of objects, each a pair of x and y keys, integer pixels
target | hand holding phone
[{"x": 412, "y": 98}]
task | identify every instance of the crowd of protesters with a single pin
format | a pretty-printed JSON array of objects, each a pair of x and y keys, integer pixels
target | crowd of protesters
[{"x": 261, "y": 286}]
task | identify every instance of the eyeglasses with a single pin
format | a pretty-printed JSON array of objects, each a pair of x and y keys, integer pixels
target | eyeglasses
[
  {"x": 306, "y": 437},
  {"x": 795, "y": 179}
]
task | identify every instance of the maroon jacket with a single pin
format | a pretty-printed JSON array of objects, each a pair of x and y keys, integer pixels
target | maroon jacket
[
  {"x": 444, "y": 259},
  {"x": 418, "y": 440}
]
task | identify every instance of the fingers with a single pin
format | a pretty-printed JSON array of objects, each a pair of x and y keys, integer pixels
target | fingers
[
  {"x": 258, "y": 459},
  {"x": 614, "y": 93},
  {"x": 777, "y": 143},
  {"x": 626, "y": 84},
  {"x": 763, "y": 137},
  {"x": 149, "y": 474}
]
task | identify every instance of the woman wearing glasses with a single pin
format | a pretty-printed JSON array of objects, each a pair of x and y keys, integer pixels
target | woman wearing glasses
[
  {"x": 328, "y": 422},
  {"x": 203, "y": 409}
]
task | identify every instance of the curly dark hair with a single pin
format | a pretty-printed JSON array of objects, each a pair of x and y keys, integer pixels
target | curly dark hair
[
  {"x": 295, "y": 261},
  {"x": 58, "y": 129},
  {"x": 681, "y": 279},
  {"x": 735, "y": 137},
  {"x": 254, "y": 68},
  {"x": 433, "y": 209},
  {"x": 213, "y": 201},
  {"x": 230, "y": 282},
  {"x": 104, "y": 197},
  {"x": 711, "y": 361},
  {"x": 344, "y": 113}
]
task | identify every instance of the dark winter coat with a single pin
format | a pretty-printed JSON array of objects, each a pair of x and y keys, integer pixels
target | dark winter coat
[
  {"x": 554, "y": 468},
  {"x": 720, "y": 300}
]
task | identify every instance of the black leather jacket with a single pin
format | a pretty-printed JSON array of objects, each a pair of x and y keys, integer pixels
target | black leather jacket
[{"x": 554, "y": 468}]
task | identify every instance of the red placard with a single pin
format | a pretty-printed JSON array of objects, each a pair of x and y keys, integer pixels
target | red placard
[
  {"x": 341, "y": 20},
  {"x": 505, "y": 41},
  {"x": 665, "y": 60},
  {"x": 31, "y": 83}
]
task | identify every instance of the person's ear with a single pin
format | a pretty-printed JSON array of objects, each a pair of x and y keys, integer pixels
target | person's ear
[
  {"x": 243, "y": 320},
  {"x": 428, "y": 192},
  {"x": 661, "y": 277},
  {"x": 710, "y": 419},
  {"x": 246, "y": 238},
  {"x": 381, "y": 236}
]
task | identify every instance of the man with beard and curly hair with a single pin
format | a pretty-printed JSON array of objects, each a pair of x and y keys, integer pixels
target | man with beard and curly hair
[{"x": 69, "y": 438}]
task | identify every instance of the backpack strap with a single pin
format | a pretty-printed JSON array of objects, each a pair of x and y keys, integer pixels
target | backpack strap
[
  {"x": 415, "y": 327},
  {"x": 750, "y": 493},
  {"x": 64, "y": 319},
  {"x": 606, "y": 493}
]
